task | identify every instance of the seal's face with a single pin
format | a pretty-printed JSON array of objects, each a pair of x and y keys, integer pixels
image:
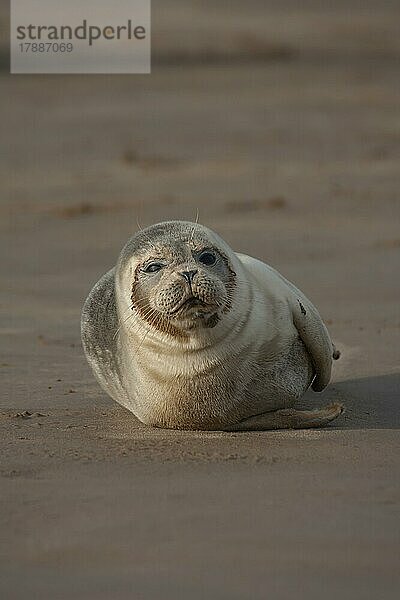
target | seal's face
[{"x": 182, "y": 279}]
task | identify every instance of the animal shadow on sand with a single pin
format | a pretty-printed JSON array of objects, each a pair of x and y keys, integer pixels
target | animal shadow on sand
[{"x": 370, "y": 402}]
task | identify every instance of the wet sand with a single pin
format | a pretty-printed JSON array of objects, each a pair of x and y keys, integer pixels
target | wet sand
[{"x": 285, "y": 136}]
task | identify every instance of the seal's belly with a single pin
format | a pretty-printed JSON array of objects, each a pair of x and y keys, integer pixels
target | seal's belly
[{"x": 228, "y": 395}]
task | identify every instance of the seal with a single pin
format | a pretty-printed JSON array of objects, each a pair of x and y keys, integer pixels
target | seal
[{"x": 187, "y": 334}]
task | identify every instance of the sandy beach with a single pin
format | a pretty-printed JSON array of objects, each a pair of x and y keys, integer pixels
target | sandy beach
[{"x": 281, "y": 127}]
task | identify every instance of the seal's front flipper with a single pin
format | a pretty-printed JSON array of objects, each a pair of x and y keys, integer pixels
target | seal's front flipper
[
  {"x": 312, "y": 332},
  {"x": 315, "y": 337},
  {"x": 289, "y": 418}
]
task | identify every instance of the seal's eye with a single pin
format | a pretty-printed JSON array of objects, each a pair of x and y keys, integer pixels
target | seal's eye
[
  {"x": 207, "y": 258},
  {"x": 153, "y": 267}
]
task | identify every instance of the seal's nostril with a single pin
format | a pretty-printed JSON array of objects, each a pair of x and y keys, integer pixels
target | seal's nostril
[{"x": 188, "y": 275}]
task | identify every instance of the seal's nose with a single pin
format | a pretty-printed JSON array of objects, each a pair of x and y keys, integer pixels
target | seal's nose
[{"x": 188, "y": 275}]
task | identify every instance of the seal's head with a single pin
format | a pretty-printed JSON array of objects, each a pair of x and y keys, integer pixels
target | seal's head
[{"x": 178, "y": 277}]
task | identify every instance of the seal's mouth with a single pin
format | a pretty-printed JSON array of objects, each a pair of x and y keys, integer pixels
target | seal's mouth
[{"x": 187, "y": 304}]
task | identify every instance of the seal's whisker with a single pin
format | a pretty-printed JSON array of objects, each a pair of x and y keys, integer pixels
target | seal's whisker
[
  {"x": 194, "y": 228},
  {"x": 138, "y": 327},
  {"x": 123, "y": 322},
  {"x": 142, "y": 231},
  {"x": 144, "y": 337},
  {"x": 146, "y": 314}
]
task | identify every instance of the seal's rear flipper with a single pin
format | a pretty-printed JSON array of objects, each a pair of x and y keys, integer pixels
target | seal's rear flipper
[{"x": 289, "y": 418}]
